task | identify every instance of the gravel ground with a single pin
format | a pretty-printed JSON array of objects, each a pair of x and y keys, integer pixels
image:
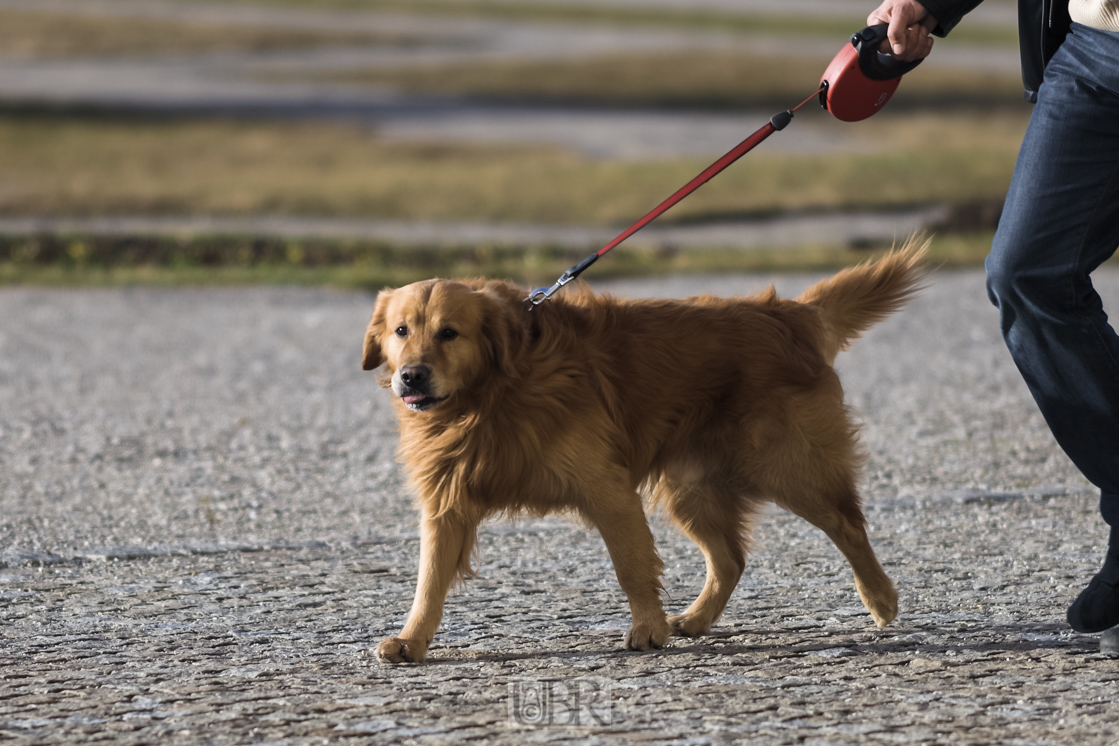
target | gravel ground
[{"x": 204, "y": 533}]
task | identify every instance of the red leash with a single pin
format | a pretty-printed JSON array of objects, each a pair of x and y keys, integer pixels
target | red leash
[{"x": 778, "y": 122}]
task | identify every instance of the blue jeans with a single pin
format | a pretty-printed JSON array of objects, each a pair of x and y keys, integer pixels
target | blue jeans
[{"x": 1060, "y": 222}]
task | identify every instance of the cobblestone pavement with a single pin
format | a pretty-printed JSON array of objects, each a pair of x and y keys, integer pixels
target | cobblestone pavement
[{"x": 204, "y": 533}]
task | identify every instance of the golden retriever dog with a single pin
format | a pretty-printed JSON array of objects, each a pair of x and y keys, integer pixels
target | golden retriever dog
[{"x": 708, "y": 406}]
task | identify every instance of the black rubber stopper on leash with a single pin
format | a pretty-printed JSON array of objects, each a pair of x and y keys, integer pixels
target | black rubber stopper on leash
[{"x": 781, "y": 121}]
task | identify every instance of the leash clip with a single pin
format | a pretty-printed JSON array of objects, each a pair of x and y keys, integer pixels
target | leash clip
[{"x": 539, "y": 295}]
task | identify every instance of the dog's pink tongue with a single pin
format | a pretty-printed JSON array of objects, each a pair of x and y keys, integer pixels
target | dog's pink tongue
[{"x": 413, "y": 398}]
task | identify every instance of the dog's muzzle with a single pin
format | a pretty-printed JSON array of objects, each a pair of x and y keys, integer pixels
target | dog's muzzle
[{"x": 412, "y": 384}]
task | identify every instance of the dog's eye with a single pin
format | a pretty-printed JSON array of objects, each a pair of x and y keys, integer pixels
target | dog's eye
[
  {"x": 401, "y": 331},
  {"x": 448, "y": 333}
]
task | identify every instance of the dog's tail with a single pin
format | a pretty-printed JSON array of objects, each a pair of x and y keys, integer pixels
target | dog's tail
[{"x": 858, "y": 298}]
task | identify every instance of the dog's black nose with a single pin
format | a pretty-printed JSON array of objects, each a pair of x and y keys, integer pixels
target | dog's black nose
[{"x": 415, "y": 376}]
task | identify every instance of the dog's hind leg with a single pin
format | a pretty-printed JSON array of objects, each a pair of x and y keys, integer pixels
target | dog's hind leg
[
  {"x": 446, "y": 542},
  {"x": 843, "y": 522},
  {"x": 808, "y": 466},
  {"x": 621, "y": 521},
  {"x": 716, "y": 522}
]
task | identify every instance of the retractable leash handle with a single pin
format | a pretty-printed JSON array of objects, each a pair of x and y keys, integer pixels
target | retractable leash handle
[
  {"x": 874, "y": 64},
  {"x": 861, "y": 79}
]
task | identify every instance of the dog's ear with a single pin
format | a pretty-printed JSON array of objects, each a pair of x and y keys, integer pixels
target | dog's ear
[
  {"x": 371, "y": 356},
  {"x": 505, "y": 328}
]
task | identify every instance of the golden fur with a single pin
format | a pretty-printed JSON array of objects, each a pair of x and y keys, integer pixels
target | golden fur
[{"x": 711, "y": 405}]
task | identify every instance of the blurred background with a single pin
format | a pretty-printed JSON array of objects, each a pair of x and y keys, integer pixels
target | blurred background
[{"x": 373, "y": 142}]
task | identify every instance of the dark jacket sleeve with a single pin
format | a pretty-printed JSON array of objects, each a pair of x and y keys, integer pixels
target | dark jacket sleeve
[{"x": 948, "y": 13}]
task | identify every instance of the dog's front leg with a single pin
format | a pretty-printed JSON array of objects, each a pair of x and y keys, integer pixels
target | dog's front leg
[
  {"x": 445, "y": 545},
  {"x": 621, "y": 521}
]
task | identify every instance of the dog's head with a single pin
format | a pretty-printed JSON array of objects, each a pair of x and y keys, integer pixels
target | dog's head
[{"x": 440, "y": 338}]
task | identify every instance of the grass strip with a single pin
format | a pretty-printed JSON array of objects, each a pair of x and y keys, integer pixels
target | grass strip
[
  {"x": 97, "y": 261},
  {"x": 78, "y": 167},
  {"x": 55, "y": 35}
]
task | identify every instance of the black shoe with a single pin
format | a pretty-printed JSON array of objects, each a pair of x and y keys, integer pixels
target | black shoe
[{"x": 1097, "y": 606}]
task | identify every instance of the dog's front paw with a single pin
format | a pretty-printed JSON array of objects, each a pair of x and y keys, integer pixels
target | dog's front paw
[
  {"x": 401, "y": 650},
  {"x": 689, "y": 625},
  {"x": 646, "y": 636}
]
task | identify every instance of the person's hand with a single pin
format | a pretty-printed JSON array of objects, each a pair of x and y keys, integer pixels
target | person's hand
[{"x": 910, "y": 25}]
